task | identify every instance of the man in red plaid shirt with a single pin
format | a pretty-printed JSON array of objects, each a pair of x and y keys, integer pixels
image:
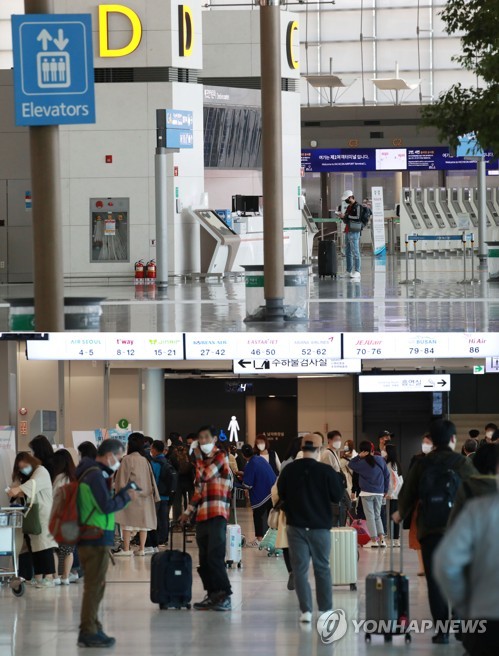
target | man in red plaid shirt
[{"x": 211, "y": 503}]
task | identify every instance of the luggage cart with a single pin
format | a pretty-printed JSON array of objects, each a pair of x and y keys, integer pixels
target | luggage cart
[{"x": 10, "y": 520}]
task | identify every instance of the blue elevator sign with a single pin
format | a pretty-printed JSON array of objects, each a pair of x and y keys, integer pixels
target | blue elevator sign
[
  {"x": 179, "y": 128},
  {"x": 53, "y": 69}
]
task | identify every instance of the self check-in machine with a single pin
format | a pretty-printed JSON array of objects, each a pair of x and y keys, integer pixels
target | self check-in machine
[{"x": 219, "y": 243}]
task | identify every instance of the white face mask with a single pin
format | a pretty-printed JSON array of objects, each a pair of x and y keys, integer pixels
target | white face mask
[
  {"x": 26, "y": 470},
  {"x": 452, "y": 445},
  {"x": 260, "y": 446},
  {"x": 207, "y": 448},
  {"x": 168, "y": 443},
  {"x": 426, "y": 448},
  {"x": 115, "y": 466},
  {"x": 336, "y": 445},
  {"x": 489, "y": 434},
  {"x": 347, "y": 449}
]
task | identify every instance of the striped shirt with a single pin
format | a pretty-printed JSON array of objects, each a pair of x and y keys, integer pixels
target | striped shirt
[{"x": 212, "y": 487}]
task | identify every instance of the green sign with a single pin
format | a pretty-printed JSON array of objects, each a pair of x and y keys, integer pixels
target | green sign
[
  {"x": 123, "y": 423},
  {"x": 254, "y": 281}
]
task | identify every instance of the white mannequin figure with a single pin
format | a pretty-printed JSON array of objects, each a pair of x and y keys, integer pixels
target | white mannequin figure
[{"x": 233, "y": 428}]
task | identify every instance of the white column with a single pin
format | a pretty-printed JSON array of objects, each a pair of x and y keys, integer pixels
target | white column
[{"x": 153, "y": 403}]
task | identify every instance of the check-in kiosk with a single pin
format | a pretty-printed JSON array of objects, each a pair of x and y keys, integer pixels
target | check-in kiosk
[
  {"x": 219, "y": 243},
  {"x": 311, "y": 229}
]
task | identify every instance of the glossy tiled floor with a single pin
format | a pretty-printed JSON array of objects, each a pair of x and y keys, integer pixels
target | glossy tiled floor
[
  {"x": 377, "y": 303},
  {"x": 263, "y": 622}
]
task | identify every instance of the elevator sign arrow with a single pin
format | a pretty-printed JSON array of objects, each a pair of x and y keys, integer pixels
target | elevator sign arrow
[{"x": 53, "y": 69}]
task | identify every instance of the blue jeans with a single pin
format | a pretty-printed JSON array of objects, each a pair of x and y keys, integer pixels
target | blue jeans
[
  {"x": 315, "y": 544},
  {"x": 372, "y": 510},
  {"x": 353, "y": 251}
]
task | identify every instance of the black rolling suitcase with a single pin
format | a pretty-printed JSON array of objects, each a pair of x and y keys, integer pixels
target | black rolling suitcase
[
  {"x": 171, "y": 577},
  {"x": 387, "y": 601},
  {"x": 328, "y": 259}
]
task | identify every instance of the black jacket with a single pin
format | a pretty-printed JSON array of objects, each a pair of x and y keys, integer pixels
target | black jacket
[{"x": 308, "y": 489}]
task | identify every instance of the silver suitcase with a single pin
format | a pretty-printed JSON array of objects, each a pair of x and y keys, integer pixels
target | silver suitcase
[{"x": 344, "y": 557}]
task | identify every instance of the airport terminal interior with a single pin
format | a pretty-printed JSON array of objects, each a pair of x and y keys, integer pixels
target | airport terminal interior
[{"x": 177, "y": 250}]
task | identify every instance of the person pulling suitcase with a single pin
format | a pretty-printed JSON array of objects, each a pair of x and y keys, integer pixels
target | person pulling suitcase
[{"x": 211, "y": 503}]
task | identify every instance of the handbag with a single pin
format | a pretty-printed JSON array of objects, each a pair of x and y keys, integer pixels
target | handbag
[
  {"x": 31, "y": 521},
  {"x": 360, "y": 525},
  {"x": 355, "y": 226}
]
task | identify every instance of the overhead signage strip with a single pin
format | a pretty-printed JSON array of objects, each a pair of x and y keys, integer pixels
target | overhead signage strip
[{"x": 322, "y": 351}]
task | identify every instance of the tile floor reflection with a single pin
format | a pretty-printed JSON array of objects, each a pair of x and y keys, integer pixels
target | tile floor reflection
[{"x": 377, "y": 303}]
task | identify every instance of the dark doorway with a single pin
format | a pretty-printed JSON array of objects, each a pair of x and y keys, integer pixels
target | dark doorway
[
  {"x": 405, "y": 414},
  {"x": 277, "y": 418}
]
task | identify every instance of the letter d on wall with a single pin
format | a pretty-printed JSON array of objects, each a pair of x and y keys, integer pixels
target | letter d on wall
[
  {"x": 292, "y": 28},
  {"x": 104, "y": 11},
  {"x": 185, "y": 30}
]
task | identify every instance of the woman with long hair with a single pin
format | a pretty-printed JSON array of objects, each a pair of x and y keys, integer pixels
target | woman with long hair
[
  {"x": 374, "y": 482},
  {"x": 31, "y": 482},
  {"x": 140, "y": 516},
  {"x": 44, "y": 452},
  {"x": 64, "y": 473},
  {"x": 396, "y": 482}
]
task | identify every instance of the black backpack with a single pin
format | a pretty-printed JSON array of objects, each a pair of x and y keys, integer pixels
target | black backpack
[
  {"x": 168, "y": 479},
  {"x": 365, "y": 214},
  {"x": 437, "y": 490}
]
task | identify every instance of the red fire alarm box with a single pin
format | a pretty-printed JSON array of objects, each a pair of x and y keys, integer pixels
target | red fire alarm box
[{"x": 109, "y": 159}]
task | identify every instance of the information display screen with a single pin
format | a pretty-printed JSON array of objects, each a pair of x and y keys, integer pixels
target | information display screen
[{"x": 215, "y": 221}]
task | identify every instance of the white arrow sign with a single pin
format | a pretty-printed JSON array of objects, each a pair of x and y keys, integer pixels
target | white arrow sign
[
  {"x": 61, "y": 42},
  {"x": 423, "y": 383},
  {"x": 44, "y": 37}
]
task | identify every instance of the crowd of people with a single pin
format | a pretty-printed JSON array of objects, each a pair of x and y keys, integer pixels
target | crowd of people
[{"x": 323, "y": 482}]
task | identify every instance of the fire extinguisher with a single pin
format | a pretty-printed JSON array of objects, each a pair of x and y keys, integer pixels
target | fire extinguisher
[
  {"x": 139, "y": 272},
  {"x": 151, "y": 272}
]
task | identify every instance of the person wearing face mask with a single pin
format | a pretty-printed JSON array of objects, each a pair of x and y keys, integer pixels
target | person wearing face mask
[
  {"x": 211, "y": 503},
  {"x": 31, "y": 481},
  {"x": 410, "y": 522},
  {"x": 262, "y": 449},
  {"x": 465, "y": 568},
  {"x": 258, "y": 478},
  {"x": 353, "y": 228},
  {"x": 97, "y": 507},
  {"x": 331, "y": 456},
  {"x": 307, "y": 489},
  {"x": 431, "y": 486},
  {"x": 347, "y": 454},
  {"x": 490, "y": 429}
]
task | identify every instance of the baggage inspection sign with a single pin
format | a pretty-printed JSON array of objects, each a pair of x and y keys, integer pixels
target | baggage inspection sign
[{"x": 53, "y": 69}]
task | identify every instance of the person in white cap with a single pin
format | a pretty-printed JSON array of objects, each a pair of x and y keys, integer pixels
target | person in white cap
[{"x": 353, "y": 227}]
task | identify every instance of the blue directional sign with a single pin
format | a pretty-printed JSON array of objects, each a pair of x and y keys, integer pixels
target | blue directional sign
[
  {"x": 179, "y": 128},
  {"x": 53, "y": 69},
  {"x": 469, "y": 147}
]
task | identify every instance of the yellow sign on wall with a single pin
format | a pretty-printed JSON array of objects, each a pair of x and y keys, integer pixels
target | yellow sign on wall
[
  {"x": 105, "y": 50},
  {"x": 186, "y": 30},
  {"x": 290, "y": 34}
]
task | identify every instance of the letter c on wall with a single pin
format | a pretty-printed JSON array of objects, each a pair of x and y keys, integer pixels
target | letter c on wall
[
  {"x": 185, "y": 30},
  {"x": 292, "y": 28},
  {"x": 104, "y": 11}
]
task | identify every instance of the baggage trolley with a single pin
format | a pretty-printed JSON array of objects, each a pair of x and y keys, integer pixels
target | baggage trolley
[{"x": 10, "y": 520}]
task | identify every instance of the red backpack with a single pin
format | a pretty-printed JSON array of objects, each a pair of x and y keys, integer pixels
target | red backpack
[{"x": 64, "y": 523}]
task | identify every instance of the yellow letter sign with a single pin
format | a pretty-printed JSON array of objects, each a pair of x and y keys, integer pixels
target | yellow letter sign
[
  {"x": 186, "y": 30},
  {"x": 292, "y": 28},
  {"x": 104, "y": 11}
]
